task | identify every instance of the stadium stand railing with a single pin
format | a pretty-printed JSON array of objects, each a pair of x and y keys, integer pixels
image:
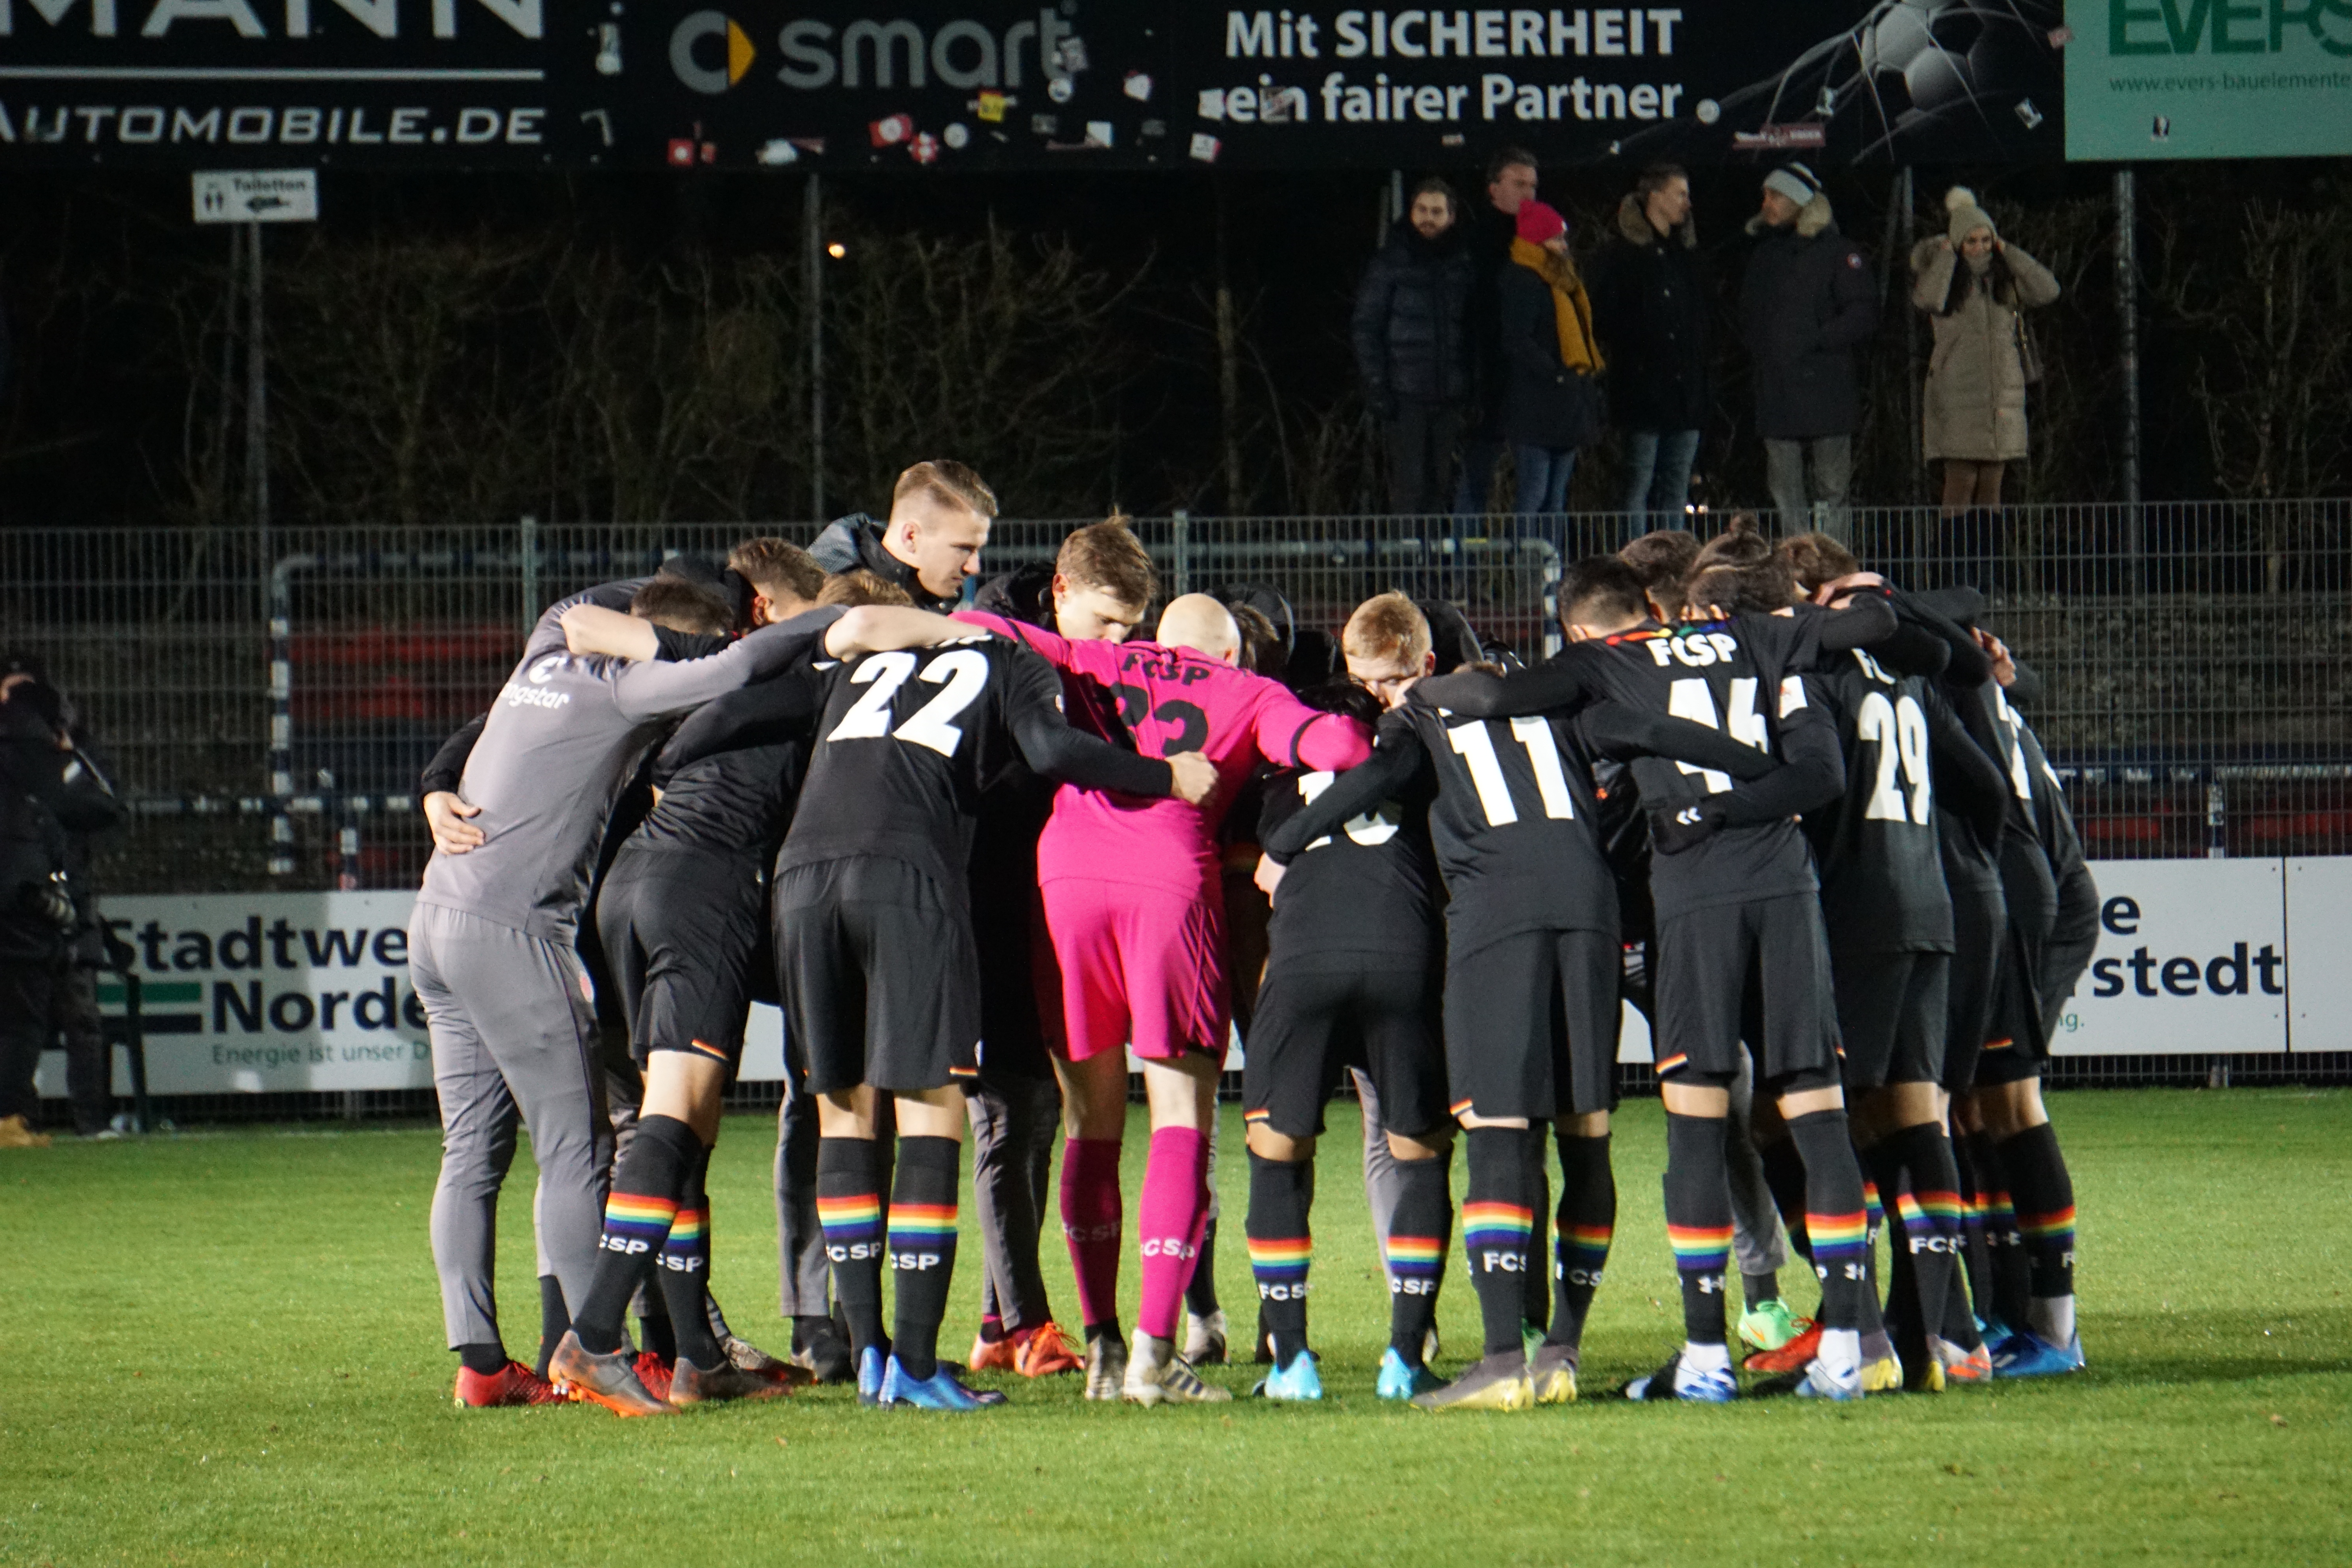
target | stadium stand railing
[{"x": 267, "y": 700}]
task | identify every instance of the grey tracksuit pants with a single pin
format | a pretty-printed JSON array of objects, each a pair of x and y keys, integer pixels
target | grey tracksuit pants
[{"x": 513, "y": 1044}]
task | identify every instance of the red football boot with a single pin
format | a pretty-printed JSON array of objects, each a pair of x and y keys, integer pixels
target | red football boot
[{"x": 514, "y": 1383}]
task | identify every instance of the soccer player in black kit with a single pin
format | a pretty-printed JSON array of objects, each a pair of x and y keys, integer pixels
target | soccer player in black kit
[
  {"x": 1740, "y": 951},
  {"x": 1530, "y": 999},
  {"x": 875, "y": 953}
]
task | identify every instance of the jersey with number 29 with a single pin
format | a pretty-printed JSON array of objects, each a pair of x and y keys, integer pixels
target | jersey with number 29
[
  {"x": 1879, "y": 844},
  {"x": 907, "y": 743}
]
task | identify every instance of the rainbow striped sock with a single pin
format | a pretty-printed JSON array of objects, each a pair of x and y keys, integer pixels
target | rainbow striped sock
[
  {"x": 1497, "y": 1227},
  {"x": 634, "y": 1223},
  {"x": 1838, "y": 1237},
  {"x": 1584, "y": 1250},
  {"x": 850, "y": 1221},
  {"x": 1699, "y": 1249}
]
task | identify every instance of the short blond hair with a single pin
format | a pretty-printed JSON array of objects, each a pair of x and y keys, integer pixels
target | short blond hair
[
  {"x": 1389, "y": 626},
  {"x": 948, "y": 482},
  {"x": 859, "y": 587},
  {"x": 1106, "y": 556}
]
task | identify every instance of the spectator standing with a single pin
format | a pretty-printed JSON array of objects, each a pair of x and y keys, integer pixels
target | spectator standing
[
  {"x": 1975, "y": 286},
  {"x": 85, "y": 807},
  {"x": 1651, "y": 303},
  {"x": 1552, "y": 396},
  {"x": 1412, "y": 347},
  {"x": 36, "y": 913},
  {"x": 1511, "y": 185},
  {"x": 1807, "y": 303}
]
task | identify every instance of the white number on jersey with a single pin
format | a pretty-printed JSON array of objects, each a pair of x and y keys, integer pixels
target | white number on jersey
[
  {"x": 1477, "y": 747},
  {"x": 964, "y": 671},
  {"x": 1899, "y": 731},
  {"x": 1371, "y": 830},
  {"x": 1690, "y": 698}
]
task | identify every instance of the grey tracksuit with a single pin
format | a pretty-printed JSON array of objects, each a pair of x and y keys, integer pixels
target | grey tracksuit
[{"x": 511, "y": 1012}]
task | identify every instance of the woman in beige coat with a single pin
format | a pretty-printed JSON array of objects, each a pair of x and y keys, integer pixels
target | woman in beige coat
[{"x": 1973, "y": 287}]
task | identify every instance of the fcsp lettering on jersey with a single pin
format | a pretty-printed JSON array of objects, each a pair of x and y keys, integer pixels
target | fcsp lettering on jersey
[{"x": 1696, "y": 651}]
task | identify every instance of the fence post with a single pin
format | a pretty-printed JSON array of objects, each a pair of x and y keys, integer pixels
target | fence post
[
  {"x": 1179, "y": 551},
  {"x": 528, "y": 550},
  {"x": 2126, "y": 200},
  {"x": 2217, "y": 818}
]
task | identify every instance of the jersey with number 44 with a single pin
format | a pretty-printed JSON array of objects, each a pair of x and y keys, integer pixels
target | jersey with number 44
[
  {"x": 905, "y": 746},
  {"x": 1743, "y": 677}
]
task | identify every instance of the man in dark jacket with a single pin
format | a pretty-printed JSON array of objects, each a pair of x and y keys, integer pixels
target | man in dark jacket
[
  {"x": 1808, "y": 302},
  {"x": 1487, "y": 234},
  {"x": 85, "y": 807},
  {"x": 1412, "y": 338},
  {"x": 940, "y": 513},
  {"x": 36, "y": 911},
  {"x": 1650, "y": 305}
]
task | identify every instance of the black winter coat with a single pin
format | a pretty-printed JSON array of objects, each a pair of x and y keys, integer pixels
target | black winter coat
[
  {"x": 1545, "y": 404},
  {"x": 1807, "y": 303},
  {"x": 1487, "y": 233},
  {"x": 1651, "y": 307},
  {"x": 1411, "y": 327}
]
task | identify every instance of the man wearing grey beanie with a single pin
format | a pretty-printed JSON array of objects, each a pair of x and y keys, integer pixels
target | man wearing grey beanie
[{"x": 1807, "y": 303}]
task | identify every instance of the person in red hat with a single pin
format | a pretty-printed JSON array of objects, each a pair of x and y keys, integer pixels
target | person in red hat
[{"x": 1551, "y": 389}]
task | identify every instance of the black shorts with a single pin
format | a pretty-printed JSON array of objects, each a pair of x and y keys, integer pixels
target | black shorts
[
  {"x": 1531, "y": 1025},
  {"x": 1757, "y": 971},
  {"x": 2016, "y": 1043},
  {"x": 1980, "y": 920},
  {"x": 1315, "y": 1018},
  {"x": 881, "y": 984},
  {"x": 682, "y": 934},
  {"x": 1892, "y": 1011},
  {"x": 1016, "y": 977}
]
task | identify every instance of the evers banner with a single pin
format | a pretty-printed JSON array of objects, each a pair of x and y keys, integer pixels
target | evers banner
[
  {"x": 2208, "y": 79},
  {"x": 936, "y": 85}
]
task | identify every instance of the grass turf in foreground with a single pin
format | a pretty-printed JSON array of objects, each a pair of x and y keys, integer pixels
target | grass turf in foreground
[{"x": 227, "y": 1350}]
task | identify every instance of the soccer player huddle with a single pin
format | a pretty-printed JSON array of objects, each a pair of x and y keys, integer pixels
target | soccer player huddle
[{"x": 981, "y": 857}]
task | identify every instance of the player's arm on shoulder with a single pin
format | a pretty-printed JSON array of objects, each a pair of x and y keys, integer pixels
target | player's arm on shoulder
[
  {"x": 1288, "y": 733},
  {"x": 759, "y": 714},
  {"x": 1052, "y": 748},
  {"x": 1397, "y": 755},
  {"x": 1552, "y": 687},
  {"x": 1868, "y": 621},
  {"x": 1812, "y": 770},
  {"x": 1622, "y": 733},
  {"x": 882, "y": 628},
  {"x": 548, "y": 634},
  {"x": 658, "y": 690},
  {"x": 1051, "y": 646},
  {"x": 591, "y": 628}
]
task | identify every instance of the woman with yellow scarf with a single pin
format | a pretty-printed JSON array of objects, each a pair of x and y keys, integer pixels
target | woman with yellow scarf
[{"x": 1551, "y": 396}]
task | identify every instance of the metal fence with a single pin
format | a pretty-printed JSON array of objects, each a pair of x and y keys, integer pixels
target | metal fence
[{"x": 268, "y": 700}]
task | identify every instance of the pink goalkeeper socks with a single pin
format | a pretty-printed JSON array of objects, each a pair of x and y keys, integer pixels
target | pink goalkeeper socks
[
  {"x": 1169, "y": 1224},
  {"x": 1091, "y": 1211}
]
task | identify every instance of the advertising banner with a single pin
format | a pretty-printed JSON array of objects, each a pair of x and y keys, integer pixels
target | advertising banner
[
  {"x": 2208, "y": 79},
  {"x": 252, "y": 992},
  {"x": 938, "y": 85},
  {"x": 2192, "y": 958}
]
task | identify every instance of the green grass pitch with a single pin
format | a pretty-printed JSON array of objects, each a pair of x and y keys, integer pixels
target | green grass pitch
[{"x": 226, "y": 1349}]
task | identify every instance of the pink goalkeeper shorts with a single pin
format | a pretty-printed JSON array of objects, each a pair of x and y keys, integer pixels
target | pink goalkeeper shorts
[{"x": 1139, "y": 966}]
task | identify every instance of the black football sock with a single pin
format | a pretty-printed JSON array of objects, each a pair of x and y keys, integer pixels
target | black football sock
[
  {"x": 1834, "y": 1221},
  {"x": 684, "y": 1270},
  {"x": 2045, "y": 1220},
  {"x": 1496, "y": 1222},
  {"x": 1784, "y": 1173},
  {"x": 1281, "y": 1246},
  {"x": 485, "y": 1360},
  {"x": 849, "y": 1211},
  {"x": 1419, "y": 1229},
  {"x": 654, "y": 1176},
  {"x": 1976, "y": 1253},
  {"x": 1930, "y": 1211},
  {"x": 2004, "y": 1247},
  {"x": 554, "y": 1320},
  {"x": 655, "y": 1334},
  {"x": 1874, "y": 1342},
  {"x": 1882, "y": 1170},
  {"x": 1538, "y": 1311},
  {"x": 1760, "y": 1288},
  {"x": 922, "y": 1249},
  {"x": 1200, "y": 1291},
  {"x": 1586, "y": 1222},
  {"x": 1698, "y": 1221}
]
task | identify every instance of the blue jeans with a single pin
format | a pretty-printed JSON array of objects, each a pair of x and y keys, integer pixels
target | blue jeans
[
  {"x": 1658, "y": 476},
  {"x": 1543, "y": 475}
]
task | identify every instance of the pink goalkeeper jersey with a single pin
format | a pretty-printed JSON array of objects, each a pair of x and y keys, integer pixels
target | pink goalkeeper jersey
[{"x": 1169, "y": 699}]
